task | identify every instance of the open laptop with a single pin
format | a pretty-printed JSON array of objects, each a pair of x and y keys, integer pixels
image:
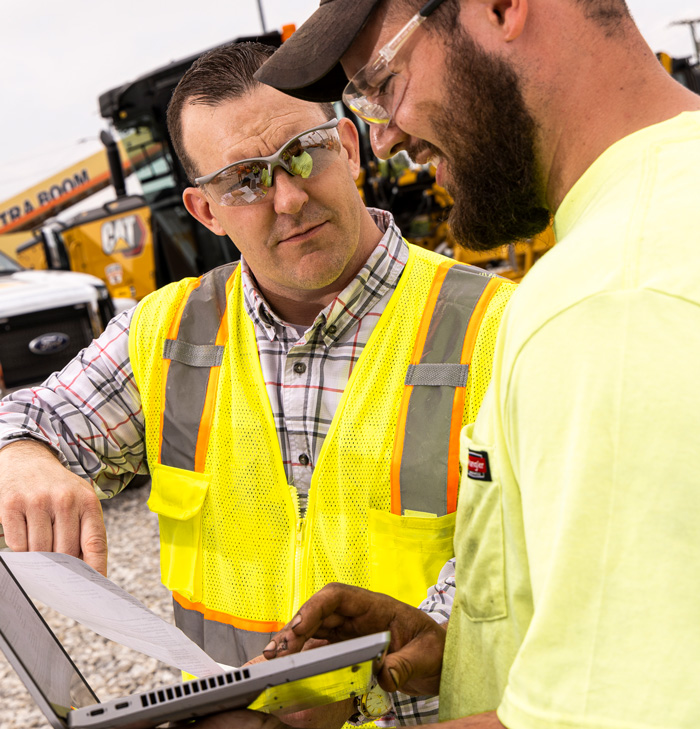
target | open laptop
[{"x": 290, "y": 683}]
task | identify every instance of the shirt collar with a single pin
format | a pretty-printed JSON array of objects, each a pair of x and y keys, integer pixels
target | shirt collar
[{"x": 379, "y": 275}]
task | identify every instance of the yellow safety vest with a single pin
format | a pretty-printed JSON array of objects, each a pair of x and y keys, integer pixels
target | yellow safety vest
[{"x": 381, "y": 506}]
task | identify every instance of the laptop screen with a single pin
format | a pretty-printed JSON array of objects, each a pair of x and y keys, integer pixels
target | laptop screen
[{"x": 28, "y": 641}]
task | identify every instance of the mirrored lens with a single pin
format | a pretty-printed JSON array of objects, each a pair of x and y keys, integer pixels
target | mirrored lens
[
  {"x": 250, "y": 181},
  {"x": 241, "y": 184},
  {"x": 312, "y": 153}
]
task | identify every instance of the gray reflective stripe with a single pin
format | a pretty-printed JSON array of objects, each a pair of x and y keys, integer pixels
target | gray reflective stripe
[
  {"x": 194, "y": 355},
  {"x": 222, "y": 642},
  {"x": 438, "y": 375},
  {"x": 186, "y": 386},
  {"x": 423, "y": 473}
]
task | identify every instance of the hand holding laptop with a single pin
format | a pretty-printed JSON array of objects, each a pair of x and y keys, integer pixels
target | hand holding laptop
[
  {"x": 240, "y": 720},
  {"x": 332, "y": 716},
  {"x": 339, "y": 612},
  {"x": 329, "y": 716},
  {"x": 289, "y": 684}
]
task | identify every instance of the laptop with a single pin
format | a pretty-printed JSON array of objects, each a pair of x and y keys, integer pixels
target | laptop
[{"x": 290, "y": 683}]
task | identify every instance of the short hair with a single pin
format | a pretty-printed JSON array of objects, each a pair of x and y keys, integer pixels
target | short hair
[
  {"x": 443, "y": 19},
  {"x": 219, "y": 75},
  {"x": 607, "y": 13}
]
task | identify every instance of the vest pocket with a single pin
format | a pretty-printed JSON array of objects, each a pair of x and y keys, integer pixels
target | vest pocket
[
  {"x": 406, "y": 553},
  {"x": 177, "y": 497},
  {"x": 479, "y": 542}
]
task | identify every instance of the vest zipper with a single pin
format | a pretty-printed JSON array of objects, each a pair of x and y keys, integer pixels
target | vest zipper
[
  {"x": 298, "y": 552},
  {"x": 298, "y": 560}
]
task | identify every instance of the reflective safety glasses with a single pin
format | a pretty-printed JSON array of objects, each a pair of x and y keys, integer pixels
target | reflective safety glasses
[
  {"x": 375, "y": 91},
  {"x": 248, "y": 181}
]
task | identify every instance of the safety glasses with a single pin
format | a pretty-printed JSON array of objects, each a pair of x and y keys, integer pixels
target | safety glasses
[
  {"x": 375, "y": 91},
  {"x": 248, "y": 181}
]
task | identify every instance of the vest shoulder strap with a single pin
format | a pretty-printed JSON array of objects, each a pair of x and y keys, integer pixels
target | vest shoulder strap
[
  {"x": 192, "y": 357},
  {"x": 425, "y": 462}
]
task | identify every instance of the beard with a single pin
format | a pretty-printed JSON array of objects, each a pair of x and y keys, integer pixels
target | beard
[{"x": 489, "y": 152}]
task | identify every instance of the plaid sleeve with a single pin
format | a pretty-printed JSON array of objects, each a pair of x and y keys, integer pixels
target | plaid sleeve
[
  {"x": 89, "y": 413},
  {"x": 413, "y": 710},
  {"x": 441, "y": 596}
]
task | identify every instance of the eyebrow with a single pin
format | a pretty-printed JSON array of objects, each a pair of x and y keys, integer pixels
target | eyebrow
[
  {"x": 276, "y": 149},
  {"x": 327, "y": 125}
]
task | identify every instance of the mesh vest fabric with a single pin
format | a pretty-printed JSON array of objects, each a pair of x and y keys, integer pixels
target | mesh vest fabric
[{"x": 254, "y": 561}]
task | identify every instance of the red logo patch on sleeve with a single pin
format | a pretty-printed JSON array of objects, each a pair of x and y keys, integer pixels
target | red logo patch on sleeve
[{"x": 479, "y": 468}]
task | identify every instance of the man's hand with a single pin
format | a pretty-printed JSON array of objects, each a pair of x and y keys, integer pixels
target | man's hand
[
  {"x": 328, "y": 716},
  {"x": 239, "y": 720},
  {"x": 339, "y": 612},
  {"x": 46, "y": 508}
]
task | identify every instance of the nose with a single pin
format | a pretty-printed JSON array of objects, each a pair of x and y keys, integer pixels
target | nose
[
  {"x": 290, "y": 195},
  {"x": 387, "y": 139}
]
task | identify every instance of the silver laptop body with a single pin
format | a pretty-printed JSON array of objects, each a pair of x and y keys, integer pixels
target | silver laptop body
[{"x": 65, "y": 697}]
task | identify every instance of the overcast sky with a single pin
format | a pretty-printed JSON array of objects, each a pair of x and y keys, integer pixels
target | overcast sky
[{"x": 58, "y": 57}]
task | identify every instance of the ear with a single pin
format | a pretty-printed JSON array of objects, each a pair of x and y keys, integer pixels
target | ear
[
  {"x": 198, "y": 206},
  {"x": 350, "y": 140},
  {"x": 509, "y": 16}
]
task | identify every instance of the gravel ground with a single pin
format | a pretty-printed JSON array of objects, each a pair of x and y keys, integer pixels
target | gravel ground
[{"x": 111, "y": 669}]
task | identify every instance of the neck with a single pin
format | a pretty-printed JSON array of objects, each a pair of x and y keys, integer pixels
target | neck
[
  {"x": 606, "y": 88},
  {"x": 298, "y": 311}
]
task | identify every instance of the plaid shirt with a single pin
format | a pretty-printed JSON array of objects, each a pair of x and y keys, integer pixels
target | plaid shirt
[
  {"x": 90, "y": 412},
  {"x": 306, "y": 371}
]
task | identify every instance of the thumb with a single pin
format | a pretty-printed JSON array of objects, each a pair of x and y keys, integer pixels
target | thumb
[
  {"x": 394, "y": 673},
  {"x": 414, "y": 669}
]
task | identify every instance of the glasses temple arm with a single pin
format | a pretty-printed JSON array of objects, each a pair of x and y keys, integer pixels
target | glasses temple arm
[
  {"x": 387, "y": 53},
  {"x": 392, "y": 48},
  {"x": 429, "y": 7}
]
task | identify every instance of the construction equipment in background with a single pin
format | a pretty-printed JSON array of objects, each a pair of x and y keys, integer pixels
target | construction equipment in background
[
  {"x": 30, "y": 208},
  {"x": 684, "y": 70},
  {"x": 134, "y": 243}
]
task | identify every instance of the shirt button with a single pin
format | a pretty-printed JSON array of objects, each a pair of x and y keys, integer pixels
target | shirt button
[
  {"x": 299, "y": 368},
  {"x": 304, "y": 459},
  {"x": 332, "y": 329}
]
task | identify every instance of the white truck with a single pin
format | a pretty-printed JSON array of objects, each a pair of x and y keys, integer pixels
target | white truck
[{"x": 46, "y": 318}]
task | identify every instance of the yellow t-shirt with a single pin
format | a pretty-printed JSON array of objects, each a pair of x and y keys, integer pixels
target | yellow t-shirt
[{"x": 578, "y": 542}]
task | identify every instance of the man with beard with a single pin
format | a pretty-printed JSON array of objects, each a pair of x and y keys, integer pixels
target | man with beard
[{"x": 577, "y": 540}]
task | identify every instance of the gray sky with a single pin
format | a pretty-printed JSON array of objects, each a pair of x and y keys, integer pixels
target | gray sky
[{"x": 58, "y": 57}]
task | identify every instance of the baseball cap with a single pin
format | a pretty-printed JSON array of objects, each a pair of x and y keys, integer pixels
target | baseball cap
[{"x": 307, "y": 65}]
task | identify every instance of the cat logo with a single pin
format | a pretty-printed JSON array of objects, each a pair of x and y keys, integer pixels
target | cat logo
[{"x": 123, "y": 235}]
